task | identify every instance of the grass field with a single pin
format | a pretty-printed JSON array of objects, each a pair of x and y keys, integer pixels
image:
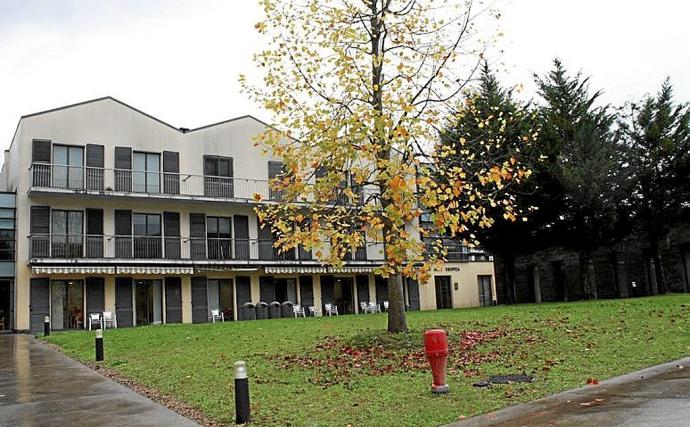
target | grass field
[{"x": 340, "y": 371}]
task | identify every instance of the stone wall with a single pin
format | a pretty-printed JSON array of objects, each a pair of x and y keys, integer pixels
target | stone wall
[{"x": 619, "y": 271}]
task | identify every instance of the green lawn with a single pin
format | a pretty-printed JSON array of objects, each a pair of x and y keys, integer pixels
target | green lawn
[{"x": 339, "y": 371}]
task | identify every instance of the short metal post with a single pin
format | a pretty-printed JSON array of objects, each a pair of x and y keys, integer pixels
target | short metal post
[
  {"x": 99, "y": 345},
  {"x": 241, "y": 393},
  {"x": 46, "y": 326}
]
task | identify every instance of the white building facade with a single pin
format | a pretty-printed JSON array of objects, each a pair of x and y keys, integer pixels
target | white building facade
[{"x": 117, "y": 211}]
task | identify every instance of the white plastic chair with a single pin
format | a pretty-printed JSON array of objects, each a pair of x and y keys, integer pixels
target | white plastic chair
[
  {"x": 109, "y": 319},
  {"x": 374, "y": 308},
  {"x": 385, "y": 305},
  {"x": 298, "y": 310},
  {"x": 364, "y": 307},
  {"x": 312, "y": 311},
  {"x": 331, "y": 309},
  {"x": 95, "y": 318},
  {"x": 217, "y": 315}
]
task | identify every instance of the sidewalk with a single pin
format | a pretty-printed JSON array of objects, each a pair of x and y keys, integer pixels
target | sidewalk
[
  {"x": 41, "y": 387},
  {"x": 657, "y": 396}
]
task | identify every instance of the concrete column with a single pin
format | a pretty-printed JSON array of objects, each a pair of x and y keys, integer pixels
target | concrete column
[
  {"x": 622, "y": 277},
  {"x": 354, "y": 294},
  {"x": 255, "y": 289},
  {"x": 537, "y": 284},
  {"x": 317, "y": 295},
  {"x": 372, "y": 287},
  {"x": 109, "y": 290},
  {"x": 186, "y": 299},
  {"x": 653, "y": 285},
  {"x": 686, "y": 261}
]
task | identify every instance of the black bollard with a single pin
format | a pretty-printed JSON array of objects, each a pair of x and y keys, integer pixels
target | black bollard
[
  {"x": 99, "y": 345},
  {"x": 46, "y": 326},
  {"x": 241, "y": 393}
]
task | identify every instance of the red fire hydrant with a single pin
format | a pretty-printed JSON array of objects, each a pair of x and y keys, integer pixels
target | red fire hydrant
[{"x": 436, "y": 346}]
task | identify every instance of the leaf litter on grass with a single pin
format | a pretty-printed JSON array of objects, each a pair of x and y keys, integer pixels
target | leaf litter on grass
[{"x": 336, "y": 361}]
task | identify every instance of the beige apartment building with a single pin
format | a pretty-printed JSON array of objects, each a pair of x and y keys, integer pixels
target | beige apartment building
[{"x": 108, "y": 209}]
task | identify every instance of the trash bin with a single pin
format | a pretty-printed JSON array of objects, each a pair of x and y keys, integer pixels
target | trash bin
[
  {"x": 247, "y": 311},
  {"x": 274, "y": 310},
  {"x": 286, "y": 308},
  {"x": 261, "y": 310}
]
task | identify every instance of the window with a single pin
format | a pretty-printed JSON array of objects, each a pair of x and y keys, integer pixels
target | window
[
  {"x": 68, "y": 165},
  {"x": 146, "y": 172},
  {"x": 219, "y": 235},
  {"x": 218, "y": 173},
  {"x": 147, "y": 235}
]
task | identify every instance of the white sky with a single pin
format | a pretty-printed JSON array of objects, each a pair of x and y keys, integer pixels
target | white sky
[{"x": 179, "y": 60}]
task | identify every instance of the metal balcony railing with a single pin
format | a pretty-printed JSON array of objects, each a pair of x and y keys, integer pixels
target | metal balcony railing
[
  {"x": 78, "y": 246},
  {"x": 44, "y": 175},
  {"x": 161, "y": 184}
]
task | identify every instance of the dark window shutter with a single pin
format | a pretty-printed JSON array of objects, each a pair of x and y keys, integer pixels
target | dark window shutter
[
  {"x": 40, "y": 220},
  {"x": 94, "y": 222},
  {"x": 266, "y": 289},
  {"x": 41, "y": 151},
  {"x": 123, "y": 158},
  {"x": 123, "y": 223},
  {"x": 171, "y": 162},
  {"x": 274, "y": 169},
  {"x": 244, "y": 290},
  {"x": 94, "y": 156},
  {"x": 197, "y": 225},
  {"x": 230, "y": 171},
  {"x": 171, "y": 224}
]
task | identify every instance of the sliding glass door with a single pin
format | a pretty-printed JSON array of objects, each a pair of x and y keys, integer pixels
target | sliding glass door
[
  {"x": 147, "y": 235},
  {"x": 146, "y": 173},
  {"x": 67, "y": 234},
  {"x": 68, "y": 167},
  {"x": 67, "y": 304}
]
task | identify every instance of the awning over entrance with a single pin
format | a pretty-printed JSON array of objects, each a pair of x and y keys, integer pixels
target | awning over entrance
[
  {"x": 73, "y": 270},
  {"x": 155, "y": 270},
  {"x": 316, "y": 270}
]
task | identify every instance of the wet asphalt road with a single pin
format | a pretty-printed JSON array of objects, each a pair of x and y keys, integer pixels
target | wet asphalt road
[
  {"x": 657, "y": 396},
  {"x": 41, "y": 387}
]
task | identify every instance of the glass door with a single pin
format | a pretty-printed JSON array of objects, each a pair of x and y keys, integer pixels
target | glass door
[
  {"x": 443, "y": 292},
  {"x": 147, "y": 236},
  {"x": 67, "y": 234},
  {"x": 67, "y": 304},
  {"x": 219, "y": 237},
  {"x": 148, "y": 302},
  {"x": 68, "y": 167}
]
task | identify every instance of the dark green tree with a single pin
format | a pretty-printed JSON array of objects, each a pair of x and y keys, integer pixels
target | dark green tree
[
  {"x": 490, "y": 128},
  {"x": 655, "y": 137},
  {"x": 579, "y": 180}
]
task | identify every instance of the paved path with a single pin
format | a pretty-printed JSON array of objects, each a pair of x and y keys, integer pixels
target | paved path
[
  {"x": 658, "y": 396},
  {"x": 41, "y": 387}
]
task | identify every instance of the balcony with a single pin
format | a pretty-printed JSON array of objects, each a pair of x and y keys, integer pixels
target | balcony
[
  {"x": 97, "y": 249},
  {"x": 89, "y": 181}
]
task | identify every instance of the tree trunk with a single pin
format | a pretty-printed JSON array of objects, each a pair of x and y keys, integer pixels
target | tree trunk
[
  {"x": 658, "y": 267},
  {"x": 587, "y": 275},
  {"x": 396, "y": 305},
  {"x": 509, "y": 277}
]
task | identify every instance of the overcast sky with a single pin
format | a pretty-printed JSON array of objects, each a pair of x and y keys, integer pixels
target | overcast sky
[{"x": 179, "y": 60}]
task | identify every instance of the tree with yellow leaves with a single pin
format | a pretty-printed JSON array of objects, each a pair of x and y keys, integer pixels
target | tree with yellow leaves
[{"x": 359, "y": 90}]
